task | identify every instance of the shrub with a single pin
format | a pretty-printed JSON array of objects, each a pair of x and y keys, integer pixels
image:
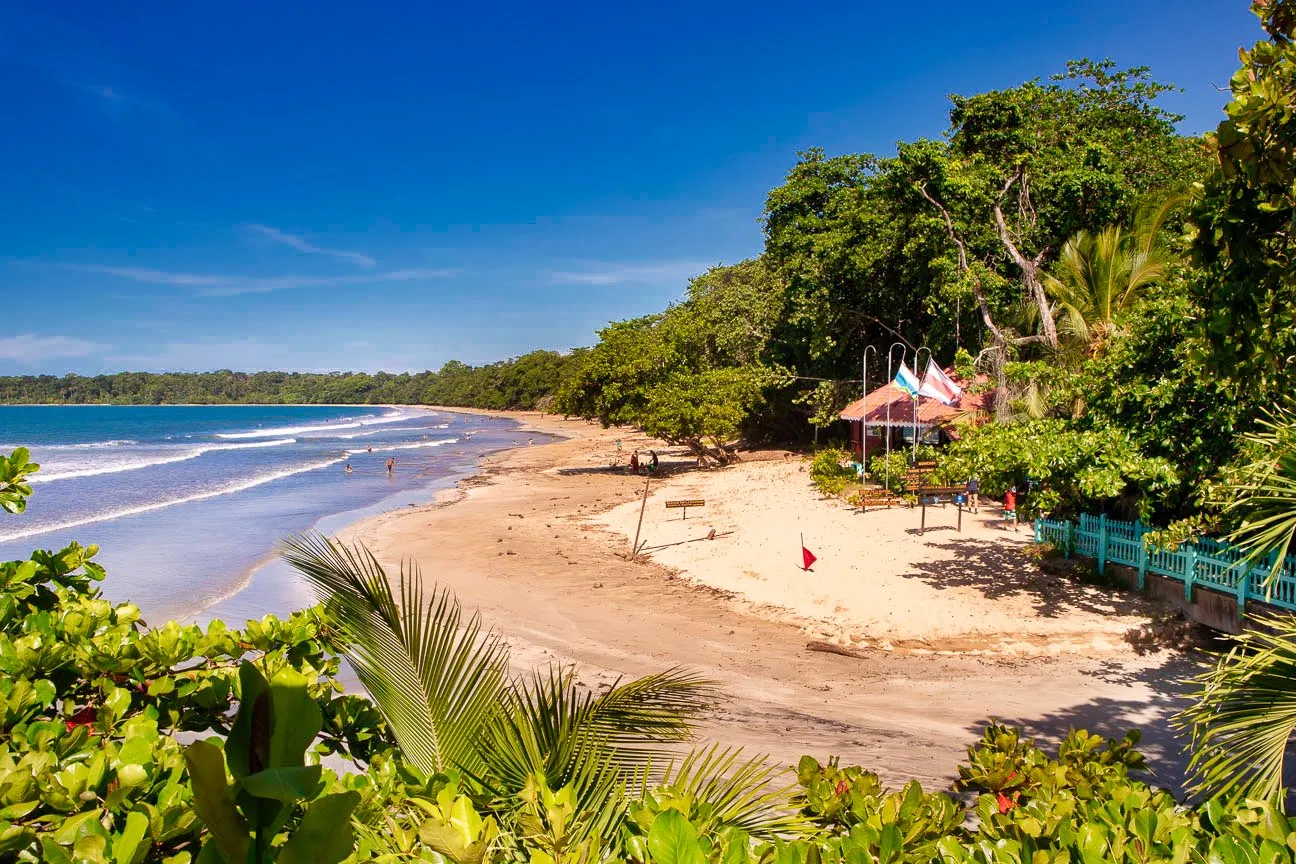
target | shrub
[
  {"x": 829, "y": 472},
  {"x": 889, "y": 471}
]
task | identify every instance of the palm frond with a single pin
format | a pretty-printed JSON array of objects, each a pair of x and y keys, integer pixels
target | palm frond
[
  {"x": 542, "y": 732},
  {"x": 1097, "y": 276},
  {"x": 1264, "y": 500},
  {"x": 656, "y": 708},
  {"x": 436, "y": 678},
  {"x": 750, "y": 795},
  {"x": 1243, "y": 715},
  {"x": 550, "y": 725}
]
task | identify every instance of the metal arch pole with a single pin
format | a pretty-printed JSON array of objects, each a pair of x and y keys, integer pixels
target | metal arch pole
[
  {"x": 864, "y": 419},
  {"x": 917, "y": 363},
  {"x": 887, "y": 436}
]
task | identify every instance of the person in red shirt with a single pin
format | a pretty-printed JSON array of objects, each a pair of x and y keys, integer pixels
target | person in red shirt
[{"x": 1010, "y": 506}]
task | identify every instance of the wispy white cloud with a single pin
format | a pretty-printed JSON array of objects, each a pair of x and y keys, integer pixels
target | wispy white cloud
[
  {"x": 218, "y": 285},
  {"x": 301, "y": 244},
  {"x": 30, "y": 349},
  {"x": 613, "y": 273}
]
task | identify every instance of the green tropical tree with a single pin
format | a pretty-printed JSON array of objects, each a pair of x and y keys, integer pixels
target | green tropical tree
[{"x": 1101, "y": 274}]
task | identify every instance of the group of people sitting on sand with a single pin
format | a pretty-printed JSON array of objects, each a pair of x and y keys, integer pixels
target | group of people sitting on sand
[{"x": 650, "y": 463}]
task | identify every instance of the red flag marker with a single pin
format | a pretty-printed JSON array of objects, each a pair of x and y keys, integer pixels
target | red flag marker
[{"x": 807, "y": 557}]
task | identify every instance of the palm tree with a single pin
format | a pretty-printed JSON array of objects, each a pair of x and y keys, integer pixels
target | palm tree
[
  {"x": 1099, "y": 275},
  {"x": 444, "y": 688},
  {"x": 1245, "y": 710}
]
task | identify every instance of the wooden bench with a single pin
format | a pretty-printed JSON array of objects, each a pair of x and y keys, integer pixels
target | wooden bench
[{"x": 692, "y": 502}]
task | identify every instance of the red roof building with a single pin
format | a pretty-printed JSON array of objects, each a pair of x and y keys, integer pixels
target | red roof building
[{"x": 890, "y": 410}]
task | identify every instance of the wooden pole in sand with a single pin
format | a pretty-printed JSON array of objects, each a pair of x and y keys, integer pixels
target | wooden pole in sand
[{"x": 634, "y": 550}]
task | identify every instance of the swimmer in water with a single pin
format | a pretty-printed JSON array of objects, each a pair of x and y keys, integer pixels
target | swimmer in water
[
  {"x": 348, "y": 468},
  {"x": 391, "y": 465},
  {"x": 369, "y": 449}
]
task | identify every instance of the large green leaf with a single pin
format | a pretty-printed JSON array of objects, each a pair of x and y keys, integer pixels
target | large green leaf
[
  {"x": 324, "y": 835},
  {"x": 672, "y": 840},
  {"x": 130, "y": 846},
  {"x": 284, "y": 784},
  {"x": 213, "y": 802}
]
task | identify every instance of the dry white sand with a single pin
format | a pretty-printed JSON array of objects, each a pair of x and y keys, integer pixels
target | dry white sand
[{"x": 877, "y": 582}]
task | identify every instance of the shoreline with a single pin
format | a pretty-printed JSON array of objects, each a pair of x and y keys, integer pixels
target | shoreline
[
  {"x": 520, "y": 542},
  {"x": 246, "y": 579}
]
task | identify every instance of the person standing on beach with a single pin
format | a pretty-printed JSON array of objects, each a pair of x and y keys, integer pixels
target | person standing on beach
[
  {"x": 652, "y": 463},
  {"x": 391, "y": 465},
  {"x": 634, "y": 462},
  {"x": 974, "y": 492}
]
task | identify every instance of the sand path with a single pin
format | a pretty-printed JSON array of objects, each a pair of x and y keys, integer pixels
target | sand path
[{"x": 531, "y": 545}]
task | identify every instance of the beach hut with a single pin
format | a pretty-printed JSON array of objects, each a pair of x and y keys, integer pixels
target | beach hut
[{"x": 889, "y": 412}]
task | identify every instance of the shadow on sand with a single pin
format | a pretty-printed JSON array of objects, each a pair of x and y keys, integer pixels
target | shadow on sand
[{"x": 998, "y": 571}]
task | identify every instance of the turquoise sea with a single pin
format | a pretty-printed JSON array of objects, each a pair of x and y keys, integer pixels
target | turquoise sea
[{"x": 187, "y": 503}]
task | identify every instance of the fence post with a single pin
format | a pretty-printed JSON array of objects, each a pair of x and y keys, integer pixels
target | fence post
[
  {"x": 1102, "y": 544},
  {"x": 1190, "y": 572},
  {"x": 1142, "y": 556},
  {"x": 1244, "y": 580}
]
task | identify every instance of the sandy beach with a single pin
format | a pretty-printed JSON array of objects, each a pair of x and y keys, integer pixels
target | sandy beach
[{"x": 947, "y": 629}]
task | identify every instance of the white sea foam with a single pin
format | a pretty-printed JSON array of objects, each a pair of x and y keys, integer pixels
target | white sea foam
[
  {"x": 385, "y": 447},
  {"x": 159, "y": 505},
  {"x": 390, "y": 417},
  {"x": 359, "y": 434},
  {"x": 149, "y": 461},
  {"x": 88, "y": 445}
]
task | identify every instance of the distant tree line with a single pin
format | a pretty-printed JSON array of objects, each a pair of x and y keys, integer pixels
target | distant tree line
[{"x": 522, "y": 382}]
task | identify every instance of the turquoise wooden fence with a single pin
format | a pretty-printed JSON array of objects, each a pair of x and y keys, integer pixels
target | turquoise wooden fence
[{"x": 1205, "y": 562}]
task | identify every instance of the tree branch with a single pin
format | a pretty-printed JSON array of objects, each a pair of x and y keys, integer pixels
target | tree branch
[
  {"x": 963, "y": 265},
  {"x": 1002, "y": 226},
  {"x": 1029, "y": 266}
]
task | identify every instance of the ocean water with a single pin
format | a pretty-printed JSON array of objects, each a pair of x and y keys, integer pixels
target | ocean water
[{"x": 188, "y": 503}]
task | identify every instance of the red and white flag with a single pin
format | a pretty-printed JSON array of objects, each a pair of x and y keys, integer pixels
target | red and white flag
[{"x": 938, "y": 385}]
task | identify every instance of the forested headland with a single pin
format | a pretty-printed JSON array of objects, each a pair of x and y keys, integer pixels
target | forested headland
[{"x": 518, "y": 383}]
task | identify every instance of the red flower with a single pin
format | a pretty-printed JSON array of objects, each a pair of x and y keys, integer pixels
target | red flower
[
  {"x": 842, "y": 788},
  {"x": 1005, "y": 803},
  {"x": 83, "y": 717}
]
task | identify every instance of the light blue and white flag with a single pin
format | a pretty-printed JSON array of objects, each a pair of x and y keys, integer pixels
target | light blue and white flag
[{"x": 906, "y": 380}]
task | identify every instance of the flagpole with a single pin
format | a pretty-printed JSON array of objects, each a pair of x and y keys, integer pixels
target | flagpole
[
  {"x": 887, "y": 437},
  {"x": 864, "y": 422},
  {"x": 918, "y": 363}
]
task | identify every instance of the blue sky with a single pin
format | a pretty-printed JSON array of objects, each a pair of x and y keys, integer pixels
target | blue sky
[{"x": 342, "y": 185}]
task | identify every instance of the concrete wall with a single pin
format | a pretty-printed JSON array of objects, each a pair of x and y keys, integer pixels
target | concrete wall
[{"x": 1215, "y": 609}]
